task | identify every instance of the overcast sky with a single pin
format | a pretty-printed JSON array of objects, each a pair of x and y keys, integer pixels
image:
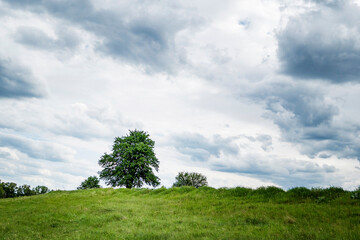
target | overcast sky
[{"x": 248, "y": 93}]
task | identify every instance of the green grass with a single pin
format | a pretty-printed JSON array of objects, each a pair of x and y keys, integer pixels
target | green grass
[{"x": 182, "y": 213}]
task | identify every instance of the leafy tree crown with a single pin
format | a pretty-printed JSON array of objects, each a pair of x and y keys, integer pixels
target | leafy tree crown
[{"x": 131, "y": 162}]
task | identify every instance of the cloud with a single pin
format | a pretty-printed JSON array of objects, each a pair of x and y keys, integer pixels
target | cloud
[
  {"x": 251, "y": 156},
  {"x": 322, "y": 43},
  {"x": 38, "y": 39},
  {"x": 286, "y": 173},
  {"x": 37, "y": 149},
  {"x": 201, "y": 148},
  {"x": 17, "y": 81},
  {"x": 77, "y": 120},
  {"x": 137, "y": 34},
  {"x": 306, "y": 118}
]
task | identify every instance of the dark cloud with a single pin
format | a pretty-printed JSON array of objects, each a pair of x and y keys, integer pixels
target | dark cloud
[
  {"x": 142, "y": 33},
  {"x": 306, "y": 119},
  {"x": 323, "y": 43},
  {"x": 37, "y": 149},
  {"x": 17, "y": 81},
  {"x": 36, "y": 38},
  {"x": 201, "y": 148}
]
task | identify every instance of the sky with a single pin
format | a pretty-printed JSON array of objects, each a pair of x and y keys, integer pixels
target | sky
[{"x": 247, "y": 93}]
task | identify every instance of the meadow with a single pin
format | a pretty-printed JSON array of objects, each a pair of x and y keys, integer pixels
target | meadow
[{"x": 183, "y": 213}]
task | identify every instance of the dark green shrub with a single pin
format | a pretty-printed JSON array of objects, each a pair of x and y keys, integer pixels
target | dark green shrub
[
  {"x": 267, "y": 192},
  {"x": 41, "y": 189},
  {"x": 190, "y": 179},
  {"x": 90, "y": 182},
  {"x": 355, "y": 194},
  {"x": 2, "y": 191},
  {"x": 333, "y": 192},
  {"x": 300, "y": 193},
  {"x": 329, "y": 193}
]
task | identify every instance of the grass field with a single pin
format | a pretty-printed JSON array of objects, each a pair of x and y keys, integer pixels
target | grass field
[{"x": 182, "y": 213}]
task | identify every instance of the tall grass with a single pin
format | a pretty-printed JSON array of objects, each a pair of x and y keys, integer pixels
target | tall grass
[{"x": 183, "y": 213}]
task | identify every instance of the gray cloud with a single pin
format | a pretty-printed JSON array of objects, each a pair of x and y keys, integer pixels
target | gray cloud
[
  {"x": 36, "y": 38},
  {"x": 306, "y": 119},
  {"x": 136, "y": 35},
  {"x": 323, "y": 43},
  {"x": 285, "y": 172},
  {"x": 240, "y": 155},
  {"x": 329, "y": 3},
  {"x": 17, "y": 81},
  {"x": 37, "y": 149},
  {"x": 201, "y": 148},
  {"x": 77, "y": 120}
]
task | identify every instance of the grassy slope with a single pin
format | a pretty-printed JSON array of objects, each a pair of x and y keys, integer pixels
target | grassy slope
[{"x": 178, "y": 213}]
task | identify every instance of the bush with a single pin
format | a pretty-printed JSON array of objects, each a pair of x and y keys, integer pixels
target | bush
[
  {"x": 2, "y": 191},
  {"x": 190, "y": 179},
  {"x": 355, "y": 194},
  {"x": 41, "y": 189},
  {"x": 90, "y": 182},
  {"x": 268, "y": 192},
  {"x": 300, "y": 192}
]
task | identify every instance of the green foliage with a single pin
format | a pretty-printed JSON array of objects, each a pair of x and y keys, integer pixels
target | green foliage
[
  {"x": 268, "y": 192},
  {"x": 131, "y": 162},
  {"x": 356, "y": 194},
  {"x": 300, "y": 192},
  {"x": 10, "y": 189},
  {"x": 2, "y": 191},
  {"x": 25, "y": 190},
  {"x": 90, "y": 182},
  {"x": 41, "y": 189},
  {"x": 190, "y": 179}
]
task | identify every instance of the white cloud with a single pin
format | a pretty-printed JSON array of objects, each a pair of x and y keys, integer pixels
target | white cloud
[{"x": 179, "y": 71}]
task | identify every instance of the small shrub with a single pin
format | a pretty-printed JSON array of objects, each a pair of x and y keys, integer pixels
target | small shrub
[
  {"x": 268, "y": 192},
  {"x": 41, "y": 189},
  {"x": 2, "y": 191},
  {"x": 355, "y": 194},
  {"x": 90, "y": 182},
  {"x": 190, "y": 179},
  {"x": 300, "y": 193}
]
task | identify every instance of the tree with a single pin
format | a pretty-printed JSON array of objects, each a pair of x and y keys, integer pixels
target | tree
[
  {"x": 90, "y": 182},
  {"x": 10, "y": 189},
  {"x": 2, "y": 191},
  {"x": 131, "y": 162},
  {"x": 41, "y": 189},
  {"x": 190, "y": 179},
  {"x": 24, "y": 190}
]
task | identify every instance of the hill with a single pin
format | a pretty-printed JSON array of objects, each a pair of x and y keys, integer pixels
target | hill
[{"x": 182, "y": 213}]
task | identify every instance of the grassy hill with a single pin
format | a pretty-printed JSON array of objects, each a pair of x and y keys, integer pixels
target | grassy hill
[{"x": 182, "y": 213}]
